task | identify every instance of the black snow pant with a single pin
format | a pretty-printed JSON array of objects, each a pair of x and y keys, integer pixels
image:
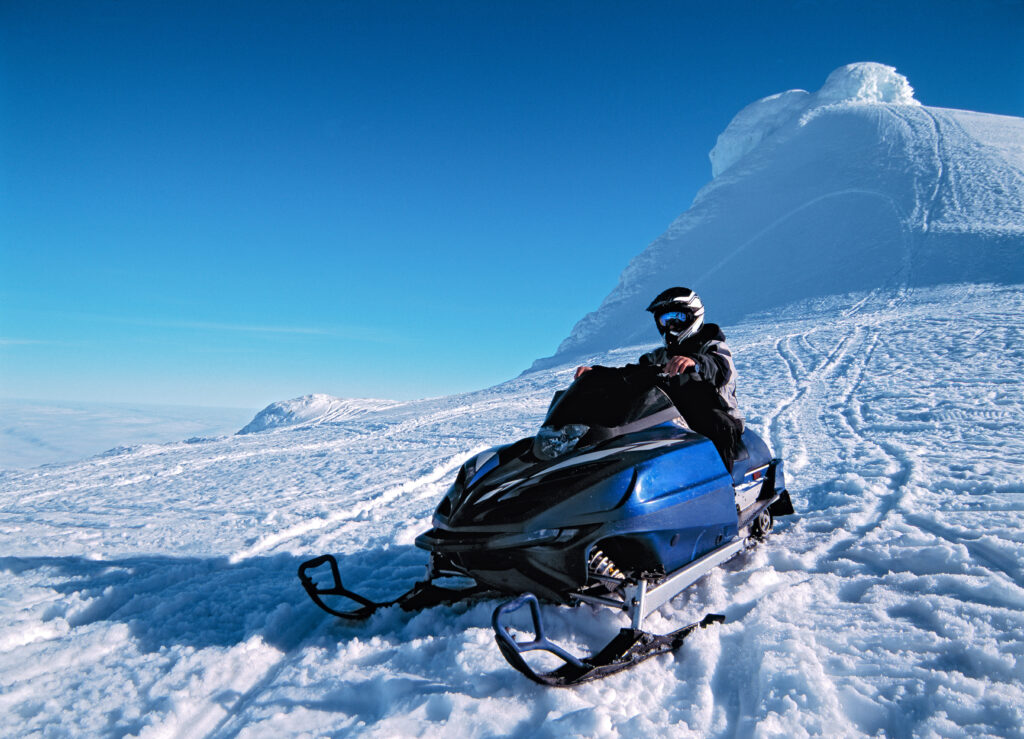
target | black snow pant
[{"x": 724, "y": 431}]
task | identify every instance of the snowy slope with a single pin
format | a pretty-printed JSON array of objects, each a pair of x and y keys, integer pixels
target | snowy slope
[
  {"x": 850, "y": 188},
  {"x": 153, "y": 592}
]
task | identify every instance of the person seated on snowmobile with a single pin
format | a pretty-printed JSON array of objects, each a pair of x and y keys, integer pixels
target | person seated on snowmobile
[{"x": 700, "y": 374}]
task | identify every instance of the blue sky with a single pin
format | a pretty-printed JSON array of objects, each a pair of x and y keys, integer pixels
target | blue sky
[{"x": 231, "y": 203}]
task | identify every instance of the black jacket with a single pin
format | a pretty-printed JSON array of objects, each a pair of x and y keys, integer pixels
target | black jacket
[{"x": 711, "y": 384}]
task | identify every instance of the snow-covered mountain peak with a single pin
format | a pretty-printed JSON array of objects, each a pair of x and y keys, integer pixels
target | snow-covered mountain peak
[
  {"x": 854, "y": 187},
  {"x": 312, "y": 409},
  {"x": 866, "y": 82},
  {"x": 858, "y": 83}
]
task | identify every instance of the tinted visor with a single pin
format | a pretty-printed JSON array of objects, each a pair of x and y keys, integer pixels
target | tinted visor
[{"x": 674, "y": 320}]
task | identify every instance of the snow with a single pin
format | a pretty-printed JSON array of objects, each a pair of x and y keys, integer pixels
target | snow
[
  {"x": 310, "y": 410},
  {"x": 152, "y": 590},
  {"x": 863, "y": 82}
]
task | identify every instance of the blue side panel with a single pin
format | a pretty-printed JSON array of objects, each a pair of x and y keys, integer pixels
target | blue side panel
[
  {"x": 684, "y": 503},
  {"x": 690, "y": 471}
]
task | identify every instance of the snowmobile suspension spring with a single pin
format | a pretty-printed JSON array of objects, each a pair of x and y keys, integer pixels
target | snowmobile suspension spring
[{"x": 601, "y": 564}]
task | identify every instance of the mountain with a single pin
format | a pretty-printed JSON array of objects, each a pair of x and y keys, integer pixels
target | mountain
[{"x": 854, "y": 187}]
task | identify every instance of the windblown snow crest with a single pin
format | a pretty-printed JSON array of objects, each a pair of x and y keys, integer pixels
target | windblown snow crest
[
  {"x": 864, "y": 82},
  {"x": 854, "y": 187},
  {"x": 310, "y": 410}
]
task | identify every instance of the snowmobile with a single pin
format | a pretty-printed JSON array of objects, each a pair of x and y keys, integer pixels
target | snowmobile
[{"x": 615, "y": 502}]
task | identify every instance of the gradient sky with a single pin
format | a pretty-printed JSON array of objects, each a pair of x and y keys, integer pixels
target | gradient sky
[{"x": 231, "y": 203}]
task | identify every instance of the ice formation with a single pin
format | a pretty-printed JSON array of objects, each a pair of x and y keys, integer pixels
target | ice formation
[{"x": 863, "y": 82}]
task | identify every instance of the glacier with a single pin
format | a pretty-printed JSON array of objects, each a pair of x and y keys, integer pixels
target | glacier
[{"x": 151, "y": 591}]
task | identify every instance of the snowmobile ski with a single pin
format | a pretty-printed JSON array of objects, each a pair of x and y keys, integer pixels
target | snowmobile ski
[
  {"x": 424, "y": 594},
  {"x": 629, "y": 648}
]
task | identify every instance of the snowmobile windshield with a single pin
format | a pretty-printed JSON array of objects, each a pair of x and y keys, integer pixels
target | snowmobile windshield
[{"x": 611, "y": 398}]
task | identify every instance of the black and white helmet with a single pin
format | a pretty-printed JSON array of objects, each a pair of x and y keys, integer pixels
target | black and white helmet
[{"x": 679, "y": 314}]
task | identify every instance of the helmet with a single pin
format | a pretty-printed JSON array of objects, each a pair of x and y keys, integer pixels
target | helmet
[{"x": 679, "y": 314}]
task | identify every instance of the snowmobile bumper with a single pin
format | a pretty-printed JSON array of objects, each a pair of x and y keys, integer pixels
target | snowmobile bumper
[{"x": 549, "y": 562}]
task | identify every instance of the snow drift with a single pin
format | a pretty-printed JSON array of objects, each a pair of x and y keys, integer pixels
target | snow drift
[{"x": 854, "y": 187}]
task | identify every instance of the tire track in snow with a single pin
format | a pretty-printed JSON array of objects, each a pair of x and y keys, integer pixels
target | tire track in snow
[{"x": 792, "y": 408}]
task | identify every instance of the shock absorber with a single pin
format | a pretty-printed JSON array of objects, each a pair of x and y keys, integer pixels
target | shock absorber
[{"x": 600, "y": 564}]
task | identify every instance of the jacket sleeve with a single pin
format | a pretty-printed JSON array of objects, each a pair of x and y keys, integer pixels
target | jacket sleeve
[{"x": 714, "y": 363}]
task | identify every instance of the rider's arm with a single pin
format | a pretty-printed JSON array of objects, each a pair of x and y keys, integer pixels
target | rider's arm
[{"x": 714, "y": 363}]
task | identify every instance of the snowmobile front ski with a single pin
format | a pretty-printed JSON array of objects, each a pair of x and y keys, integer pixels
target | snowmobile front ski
[
  {"x": 423, "y": 594},
  {"x": 627, "y": 649}
]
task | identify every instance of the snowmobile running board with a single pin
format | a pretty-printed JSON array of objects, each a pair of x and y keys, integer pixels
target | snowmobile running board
[{"x": 642, "y": 601}]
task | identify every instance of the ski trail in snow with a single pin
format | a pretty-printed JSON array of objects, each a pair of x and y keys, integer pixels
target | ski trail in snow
[{"x": 378, "y": 501}]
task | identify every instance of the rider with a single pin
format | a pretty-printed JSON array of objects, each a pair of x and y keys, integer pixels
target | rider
[{"x": 701, "y": 375}]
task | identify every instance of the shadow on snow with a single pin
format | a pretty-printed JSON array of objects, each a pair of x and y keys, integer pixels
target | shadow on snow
[{"x": 204, "y": 602}]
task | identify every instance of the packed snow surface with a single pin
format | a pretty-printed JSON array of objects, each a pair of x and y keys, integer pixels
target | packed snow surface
[
  {"x": 152, "y": 592},
  {"x": 850, "y": 188}
]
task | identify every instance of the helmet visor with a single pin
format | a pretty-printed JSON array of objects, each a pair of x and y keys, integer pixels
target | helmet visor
[{"x": 674, "y": 320}]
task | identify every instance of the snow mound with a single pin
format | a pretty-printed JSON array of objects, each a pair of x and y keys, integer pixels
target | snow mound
[
  {"x": 312, "y": 409},
  {"x": 863, "y": 82},
  {"x": 866, "y": 82}
]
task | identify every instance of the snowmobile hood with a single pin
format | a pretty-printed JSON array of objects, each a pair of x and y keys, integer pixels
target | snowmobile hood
[
  {"x": 569, "y": 490},
  {"x": 593, "y": 436}
]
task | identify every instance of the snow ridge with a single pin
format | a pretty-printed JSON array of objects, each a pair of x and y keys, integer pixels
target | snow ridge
[{"x": 313, "y": 409}]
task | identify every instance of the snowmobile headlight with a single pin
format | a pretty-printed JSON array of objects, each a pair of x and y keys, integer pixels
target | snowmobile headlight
[
  {"x": 537, "y": 536},
  {"x": 552, "y": 443},
  {"x": 478, "y": 466}
]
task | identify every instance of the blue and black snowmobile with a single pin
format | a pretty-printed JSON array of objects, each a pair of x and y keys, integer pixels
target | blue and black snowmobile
[{"x": 615, "y": 502}]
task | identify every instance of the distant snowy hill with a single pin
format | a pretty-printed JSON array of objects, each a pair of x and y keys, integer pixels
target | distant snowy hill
[
  {"x": 854, "y": 187},
  {"x": 310, "y": 410}
]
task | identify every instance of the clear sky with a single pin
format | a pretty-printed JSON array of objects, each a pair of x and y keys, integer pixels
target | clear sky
[{"x": 231, "y": 203}]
